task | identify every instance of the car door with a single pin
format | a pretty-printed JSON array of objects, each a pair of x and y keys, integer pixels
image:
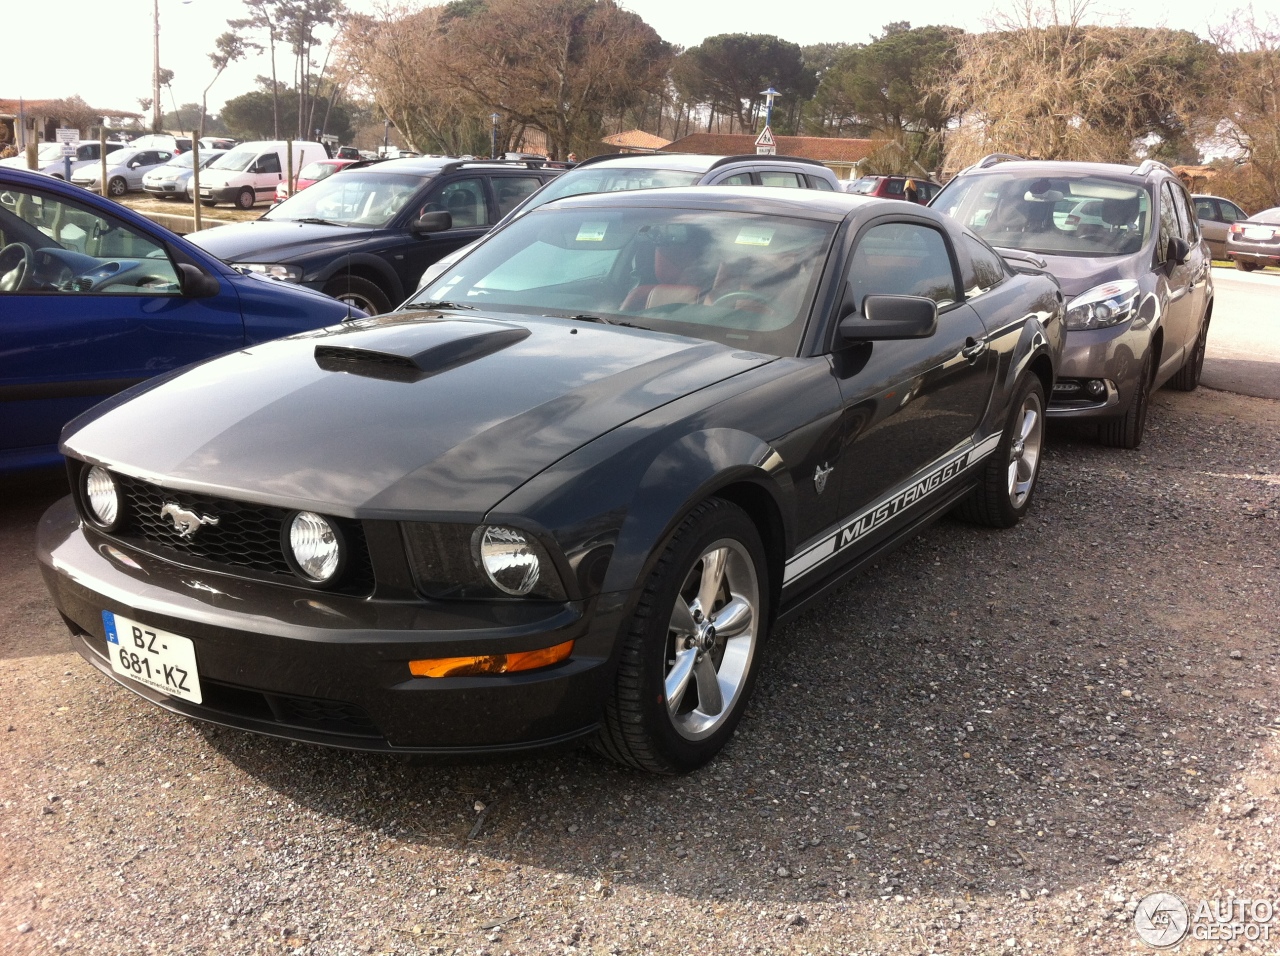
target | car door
[
  {"x": 466, "y": 198},
  {"x": 267, "y": 175},
  {"x": 1180, "y": 280},
  {"x": 1199, "y": 261},
  {"x": 95, "y": 308},
  {"x": 1212, "y": 225},
  {"x": 909, "y": 404}
]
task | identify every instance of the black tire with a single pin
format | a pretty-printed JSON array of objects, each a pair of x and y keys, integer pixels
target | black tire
[
  {"x": 117, "y": 186},
  {"x": 360, "y": 293},
  {"x": 639, "y": 728},
  {"x": 247, "y": 198},
  {"x": 208, "y": 202},
  {"x": 1127, "y": 430},
  {"x": 1246, "y": 266},
  {"x": 1009, "y": 478},
  {"x": 1187, "y": 378}
]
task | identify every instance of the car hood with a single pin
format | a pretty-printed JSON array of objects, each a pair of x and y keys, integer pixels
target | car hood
[
  {"x": 1077, "y": 274},
  {"x": 267, "y": 240},
  {"x": 412, "y": 412}
]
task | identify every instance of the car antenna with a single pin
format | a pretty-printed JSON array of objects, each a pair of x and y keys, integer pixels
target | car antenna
[{"x": 348, "y": 299}]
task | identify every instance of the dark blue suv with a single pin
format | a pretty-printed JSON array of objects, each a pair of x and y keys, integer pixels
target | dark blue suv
[{"x": 95, "y": 298}]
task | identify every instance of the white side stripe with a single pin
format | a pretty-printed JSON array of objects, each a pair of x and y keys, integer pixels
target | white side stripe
[{"x": 920, "y": 486}]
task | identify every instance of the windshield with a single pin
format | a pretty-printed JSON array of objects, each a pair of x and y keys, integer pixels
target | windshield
[
  {"x": 49, "y": 152},
  {"x": 363, "y": 198},
  {"x": 238, "y": 160},
  {"x": 182, "y": 162},
  {"x": 317, "y": 170},
  {"x": 122, "y": 157},
  {"x": 736, "y": 278},
  {"x": 603, "y": 179},
  {"x": 1057, "y": 215}
]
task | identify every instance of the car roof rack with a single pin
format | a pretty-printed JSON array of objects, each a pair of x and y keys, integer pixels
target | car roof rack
[
  {"x": 516, "y": 163},
  {"x": 761, "y": 158},
  {"x": 1150, "y": 165},
  {"x": 991, "y": 159}
]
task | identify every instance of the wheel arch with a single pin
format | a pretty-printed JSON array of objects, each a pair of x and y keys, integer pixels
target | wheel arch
[{"x": 367, "y": 267}]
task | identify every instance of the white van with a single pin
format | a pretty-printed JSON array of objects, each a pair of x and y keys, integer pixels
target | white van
[{"x": 250, "y": 172}]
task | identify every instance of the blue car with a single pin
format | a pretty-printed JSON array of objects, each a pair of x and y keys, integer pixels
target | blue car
[{"x": 95, "y": 298}]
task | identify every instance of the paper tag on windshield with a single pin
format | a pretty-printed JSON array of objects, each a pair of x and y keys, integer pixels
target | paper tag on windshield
[
  {"x": 592, "y": 231},
  {"x": 754, "y": 236}
]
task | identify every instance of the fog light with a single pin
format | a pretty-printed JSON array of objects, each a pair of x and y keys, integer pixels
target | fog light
[
  {"x": 315, "y": 546},
  {"x": 1096, "y": 387},
  {"x": 490, "y": 663},
  {"x": 102, "y": 496}
]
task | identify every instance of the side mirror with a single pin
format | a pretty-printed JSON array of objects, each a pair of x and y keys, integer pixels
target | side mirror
[
  {"x": 887, "y": 317},
  {"x": 430, "y": 222},
  {"x": 196, "y": 283},
  {"x": 1178, "y": 251},
  {"x": 134, "y": 164}
]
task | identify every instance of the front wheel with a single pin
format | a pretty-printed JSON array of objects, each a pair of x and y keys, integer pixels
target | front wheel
[
  {"x": 1127, "y": 430},
  {"x": 691, "y": 650},
  {"x": 359, "y": 293},
  {"x": 117, "y": 186},
  {"x": 1187, "y": 378},
  {"x": 1245, "y": 266},
  {"x": 246, "y": 199},
  {"x": 1008, "y": 480}
]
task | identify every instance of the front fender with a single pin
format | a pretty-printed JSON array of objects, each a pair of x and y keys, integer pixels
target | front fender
[{"x": 358, "y": 263}]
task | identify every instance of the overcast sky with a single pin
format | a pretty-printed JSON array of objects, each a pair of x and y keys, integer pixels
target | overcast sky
[{"x": 101, "y": 49}]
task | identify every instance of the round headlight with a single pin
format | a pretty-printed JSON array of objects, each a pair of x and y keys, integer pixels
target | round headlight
[
  {"x": 509, "y": 558},
  {"x": 102, "y": 496},
  {"x": 316, "y": 547}
]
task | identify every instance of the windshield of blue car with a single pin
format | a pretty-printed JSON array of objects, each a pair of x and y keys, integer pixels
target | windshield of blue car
[
  {"x": 238, "y": 160},
  {"x": 737, "y": 278},
  {"x": 1052, "y": 215},
  {"x": 363, "y": 197},
  {"x": 606, "y": 179}
]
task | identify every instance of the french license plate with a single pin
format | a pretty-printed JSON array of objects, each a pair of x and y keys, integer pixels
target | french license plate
[
  {"x": 1261, "y": 235},
  {"x": 159, "y": 659}
]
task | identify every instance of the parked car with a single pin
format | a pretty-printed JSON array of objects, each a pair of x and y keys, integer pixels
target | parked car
[
  {"x": 362, "y": 236},
  {"x": 310, "y": 174},
  {"x": 174, "y": 144},
  {"x": 217, "y": 142},
  {"x": 49, "y": 159},
  {"x": 349, "y": 152},
  {"x": 614, "y": 172},
  {"x": 250, "y": 173},
  {"x": 125, "y": 169},
  {"x": 893, "y": 187},
  {"x": 95, "y": 298},
  {"x": 1255, "y": 242},
  {"x": 173, "y": 179},
  {"x": 567, "y": 495},
  {"x": 1216, "y": 215},
  {"x": 1139, "y": 288}
]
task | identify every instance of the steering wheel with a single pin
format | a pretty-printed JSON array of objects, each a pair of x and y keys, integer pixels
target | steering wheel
[
  {"x": 15, "y": 263},
  {"x": 745, "y": 296}
]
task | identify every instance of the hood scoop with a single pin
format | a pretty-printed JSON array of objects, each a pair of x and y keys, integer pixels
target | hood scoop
[{"x": 410, "y": 354}]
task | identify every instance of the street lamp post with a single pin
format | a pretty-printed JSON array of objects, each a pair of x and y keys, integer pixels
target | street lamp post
[
  {"x": 155, "y": 74},
  {"x": 769, "y": 95},
  {"x": 493, "y": 148}
]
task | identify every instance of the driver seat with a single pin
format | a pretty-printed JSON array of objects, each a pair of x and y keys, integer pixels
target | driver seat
[{"x": 666, "y": 290}]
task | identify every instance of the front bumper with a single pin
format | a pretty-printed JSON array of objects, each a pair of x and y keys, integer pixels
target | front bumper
[
  {"x": 1112, "y": 356},
  {"x": 332, "y": 669},
  {"x": 163, "y": 189},
  {"x": 221, "y": 194}
]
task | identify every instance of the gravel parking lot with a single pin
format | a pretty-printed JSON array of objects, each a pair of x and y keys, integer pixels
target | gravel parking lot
[{"x": 991, "y": 742}]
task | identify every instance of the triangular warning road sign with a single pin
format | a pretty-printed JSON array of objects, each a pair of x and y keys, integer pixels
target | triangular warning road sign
[{"x": 765, "y": 138}]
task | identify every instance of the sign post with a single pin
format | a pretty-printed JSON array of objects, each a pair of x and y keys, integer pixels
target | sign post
[{"x": 69, "y": 138}]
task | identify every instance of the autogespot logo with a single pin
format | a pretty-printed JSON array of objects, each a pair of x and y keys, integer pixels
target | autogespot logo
[{"x": 1161, "y": 920}]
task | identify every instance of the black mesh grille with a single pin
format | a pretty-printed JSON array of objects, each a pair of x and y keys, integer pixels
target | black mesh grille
[{"x": 246, "y": 536}]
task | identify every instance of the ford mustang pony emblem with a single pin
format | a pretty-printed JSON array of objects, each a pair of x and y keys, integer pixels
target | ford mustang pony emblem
[
  {"x": 820, "y": 476},
  {"x": 185, "y": 522}
]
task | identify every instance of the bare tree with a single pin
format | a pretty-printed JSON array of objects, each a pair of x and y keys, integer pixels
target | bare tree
[{"x": 1251, "y": 104}]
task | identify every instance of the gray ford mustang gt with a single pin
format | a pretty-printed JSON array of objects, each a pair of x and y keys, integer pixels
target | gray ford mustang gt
[{"x": 568, "y": 492}]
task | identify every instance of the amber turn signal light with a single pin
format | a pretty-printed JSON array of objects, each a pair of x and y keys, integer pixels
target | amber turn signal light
[{"x": 490, "y": 663}]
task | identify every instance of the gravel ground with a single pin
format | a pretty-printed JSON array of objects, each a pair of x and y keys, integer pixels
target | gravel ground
[{"x": 992, "y": 742}]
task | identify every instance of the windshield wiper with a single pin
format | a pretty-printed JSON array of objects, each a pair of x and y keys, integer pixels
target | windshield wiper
[
  {"x": 443, "y": 305},
  {"x": 316, "y": 221},
  {"x": 588, "y": 317}
]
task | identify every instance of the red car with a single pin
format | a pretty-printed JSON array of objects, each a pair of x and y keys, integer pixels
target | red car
[
  {"x": 312, "y": 173},
  {"x": 893, "y": 187}
]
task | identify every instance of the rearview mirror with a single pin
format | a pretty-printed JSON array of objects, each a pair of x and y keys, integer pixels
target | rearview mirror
[
  {"x": 887, "y": 317},
  {"x": 432, "y": 222},
  {"x": 196, "y": 283}
]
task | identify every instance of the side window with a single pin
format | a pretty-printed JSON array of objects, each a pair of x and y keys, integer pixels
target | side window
[
  {"x": 902, "y": 258},
  {"x": 1191, "y": 225},
  {"x": 984, "y": 270},
  {"x": 1207, "y": 209},
  {"x": 267, "y": 163},
  {"x": 817, "y": 182},
  {"x": 464, "y": 200},
  {"x": 1168, "y": 220},
  {"x": 737, "y": 179},
  {"x": 786, "y": 180},
  {"x": 87, "y": 151},
  {"x": 927, "y": 191},
  {"x": 511, "y": 190},
  {"x": 59, "y": 235},
  {"x": 1230, "y": 211},
  {"x": 163, "y": 157}
]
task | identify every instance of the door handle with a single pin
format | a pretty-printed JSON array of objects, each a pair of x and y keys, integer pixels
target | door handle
[{"x": 973, "y": 348}]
